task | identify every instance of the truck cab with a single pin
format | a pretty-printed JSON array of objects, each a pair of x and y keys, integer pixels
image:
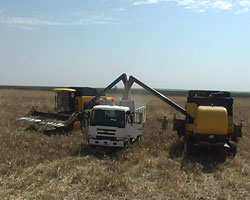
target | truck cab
[{"x": 116, "y": 125}]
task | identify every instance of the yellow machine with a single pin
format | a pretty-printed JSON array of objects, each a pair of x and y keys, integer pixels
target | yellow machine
[
  {"x": 70, "y": 111},
  {"x": 209, "y": 121}
]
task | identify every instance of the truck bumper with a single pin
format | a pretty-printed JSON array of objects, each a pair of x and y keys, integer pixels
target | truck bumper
[{"x": 109, "y": 143}]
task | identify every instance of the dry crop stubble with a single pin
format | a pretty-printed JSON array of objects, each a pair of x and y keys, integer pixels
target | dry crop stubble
[{"x": 36, "y": 166}]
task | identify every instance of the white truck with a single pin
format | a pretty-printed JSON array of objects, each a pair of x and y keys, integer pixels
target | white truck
[
  {"x": 121, "y": 123},
  {"x": 116, "y": 125}
]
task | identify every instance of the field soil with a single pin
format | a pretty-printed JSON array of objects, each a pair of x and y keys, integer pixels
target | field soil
[{"x": 35, "y": 165}]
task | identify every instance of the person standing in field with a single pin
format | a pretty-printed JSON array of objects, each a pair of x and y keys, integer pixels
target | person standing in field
[{"x": 164, "y": 124}]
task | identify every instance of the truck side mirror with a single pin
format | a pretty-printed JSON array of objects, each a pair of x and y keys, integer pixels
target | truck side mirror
[
  {"x": 131, "y": 120},
  {"x": 127, "y": 116}
]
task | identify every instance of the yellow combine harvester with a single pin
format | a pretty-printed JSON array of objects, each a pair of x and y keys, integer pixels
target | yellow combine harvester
[{"x": 70, "y": 111}]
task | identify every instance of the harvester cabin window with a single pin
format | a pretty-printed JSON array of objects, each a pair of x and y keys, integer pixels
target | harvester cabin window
[{"x": 62, "y": 100}]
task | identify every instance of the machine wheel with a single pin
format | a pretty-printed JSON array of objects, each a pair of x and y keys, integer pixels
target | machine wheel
[
  {"x": 233, "y": 148},
  {"x": 234, "y": 138},
  {"x": 188, "y": 146},
  {"x": 128, "y": 142}
]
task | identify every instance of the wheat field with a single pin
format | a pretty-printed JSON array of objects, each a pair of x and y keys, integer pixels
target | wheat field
[{"x": 34, "y": 165}]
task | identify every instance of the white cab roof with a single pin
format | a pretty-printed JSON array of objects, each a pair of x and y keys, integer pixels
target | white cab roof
[{"x": 108, "y": 107}]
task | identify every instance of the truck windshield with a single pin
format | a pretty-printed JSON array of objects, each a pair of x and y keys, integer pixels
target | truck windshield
[{"x": 115, "y": 118}]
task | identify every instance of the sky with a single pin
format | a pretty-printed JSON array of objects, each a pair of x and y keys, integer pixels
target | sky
[{"x": 167, "y": 44}]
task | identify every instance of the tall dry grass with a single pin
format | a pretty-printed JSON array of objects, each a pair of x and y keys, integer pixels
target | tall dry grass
[{"x": 36, "y": 166}]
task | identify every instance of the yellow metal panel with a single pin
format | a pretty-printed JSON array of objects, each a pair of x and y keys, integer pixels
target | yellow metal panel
[
  {"x": 86, "y": 98},
  {"x": 81, "y": 100},
  {"x": 212, "y": 120},
  {"x": 191, "y": 108},
  {"x": 190, "y": 127},
  {"x": 78, "y": 103},
  {"x": 77, "y": 125}
]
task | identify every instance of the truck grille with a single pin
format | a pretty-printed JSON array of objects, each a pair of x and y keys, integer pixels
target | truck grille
[
  {"x": 106, "y": 131},
  {"x": 106, "y": 138}
]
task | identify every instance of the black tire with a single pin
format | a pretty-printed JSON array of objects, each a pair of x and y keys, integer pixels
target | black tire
[
  {"x": 233, "y": 137},
  {"x": 188, "y": 146}
]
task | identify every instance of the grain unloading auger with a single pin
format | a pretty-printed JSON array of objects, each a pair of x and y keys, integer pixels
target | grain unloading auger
[
  {"x": 70, "y": 112},
  {"x": 208, "y": 118},
  {"x": 108, "y": 128}
]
